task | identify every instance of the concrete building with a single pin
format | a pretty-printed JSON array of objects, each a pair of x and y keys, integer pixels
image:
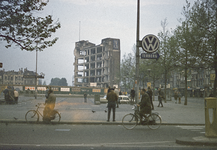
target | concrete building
[
  {"x": 97, "y": 65},
  {"x": 16, "y": 77}
]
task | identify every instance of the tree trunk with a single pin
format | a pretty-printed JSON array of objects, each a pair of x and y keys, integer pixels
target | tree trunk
[{"x": 185, "y": 86}]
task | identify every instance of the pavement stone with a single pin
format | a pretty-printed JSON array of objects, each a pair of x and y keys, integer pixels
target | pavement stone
[{"x": 74, "y": 111}]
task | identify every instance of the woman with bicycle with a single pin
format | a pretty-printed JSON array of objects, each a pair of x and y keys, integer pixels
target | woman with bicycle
[{"x": 145, "y": 104}]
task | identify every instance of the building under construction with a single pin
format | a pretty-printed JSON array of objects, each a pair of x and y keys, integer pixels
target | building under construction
[{"x": 97, "y": 65}]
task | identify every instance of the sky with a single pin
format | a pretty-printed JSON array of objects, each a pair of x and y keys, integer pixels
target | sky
[{"x": 91, "y": 20}]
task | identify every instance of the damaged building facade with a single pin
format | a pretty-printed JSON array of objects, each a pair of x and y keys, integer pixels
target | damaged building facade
[{"x": 97, "y": 65}]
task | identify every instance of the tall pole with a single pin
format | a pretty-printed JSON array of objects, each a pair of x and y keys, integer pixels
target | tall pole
[
  {"x": 36, "y": 74},
  {"x": 137, "y": 53}
]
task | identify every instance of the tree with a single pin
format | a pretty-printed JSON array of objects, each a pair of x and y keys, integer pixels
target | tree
[
  {"x": 167, "y": 53},
  {"x": 55, "y": 81},
  {"x": 19, "y": 26},
  {"x": 202, "y": 24},
  {"x": 59, "y": 82},
  {"x": 63, "y": 82}
]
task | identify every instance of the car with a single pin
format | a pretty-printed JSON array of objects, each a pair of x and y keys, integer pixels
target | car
[
  {"x": 103, "y": 99},
  {"x": 123, "y": 99}
]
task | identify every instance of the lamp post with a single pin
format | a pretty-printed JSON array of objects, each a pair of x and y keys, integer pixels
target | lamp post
[
  {"x": 36, "y": 74},
  {"x": 137, "y": 53}
]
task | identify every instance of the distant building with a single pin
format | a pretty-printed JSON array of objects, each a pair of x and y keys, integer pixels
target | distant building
[
  {"x": 97, "y": 65},
  {"x": 17, "y": 77}
]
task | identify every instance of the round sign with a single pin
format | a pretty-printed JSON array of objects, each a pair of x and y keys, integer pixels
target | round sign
[{"x": 150, "y": 43}]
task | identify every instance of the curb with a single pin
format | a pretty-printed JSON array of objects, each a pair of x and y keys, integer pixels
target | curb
[
  {"x": 92, "y": 123},
  {"x": 193, "y": 142}
]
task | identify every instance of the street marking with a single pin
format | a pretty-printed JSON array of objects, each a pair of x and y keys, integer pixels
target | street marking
[
  {"x": 62, "y": 129},
  {"x": 191, "y": 127}
]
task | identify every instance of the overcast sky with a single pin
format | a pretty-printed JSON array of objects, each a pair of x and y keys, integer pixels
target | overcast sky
[{"x": 98, "y": 19}]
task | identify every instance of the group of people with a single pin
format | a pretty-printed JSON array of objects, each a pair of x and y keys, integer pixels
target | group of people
[
  {"x": 11, "y": 95},
  {"x": 146, "y": 104}
]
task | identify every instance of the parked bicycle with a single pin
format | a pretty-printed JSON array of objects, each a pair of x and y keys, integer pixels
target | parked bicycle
[
  {"x": 33, "y": 115},
  {"x": 130, "y": 121}
]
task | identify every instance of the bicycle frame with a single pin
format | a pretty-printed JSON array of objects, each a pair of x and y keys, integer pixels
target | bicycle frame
[{"x": 38, "y": 106}]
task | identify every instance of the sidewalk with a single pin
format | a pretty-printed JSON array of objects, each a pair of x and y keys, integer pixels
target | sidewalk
[{"x": 75, "y": 111}]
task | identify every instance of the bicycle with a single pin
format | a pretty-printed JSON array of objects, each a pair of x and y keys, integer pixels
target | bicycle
[
  {"x": 33, "y": 115},
  {"x": 130, "y": 121}
]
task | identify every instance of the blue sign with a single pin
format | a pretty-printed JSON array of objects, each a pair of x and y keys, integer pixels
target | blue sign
[{"x": 150, "y": 56}]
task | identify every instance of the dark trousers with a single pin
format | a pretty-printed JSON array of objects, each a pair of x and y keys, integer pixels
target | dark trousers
[
  {"x": 16, "y": 99},
  {"x": 111, "y": 105},
  {"x": 160, "y": 101}
]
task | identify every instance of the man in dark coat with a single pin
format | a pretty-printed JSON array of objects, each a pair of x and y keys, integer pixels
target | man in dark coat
[
  {"x": 160, "y": 97},
  {"x": 6, "y": 94},
  {"x": 112, "y": 100},
  {"x": 49, "y": 106},
  {"x": 145, "y": 104},
  {"x": 132, "y": 95}
]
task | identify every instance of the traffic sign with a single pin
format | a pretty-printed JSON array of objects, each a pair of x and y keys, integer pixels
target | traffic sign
[
  {"x": 150, "y": 56},
  {"x": 150, "y": 43}
]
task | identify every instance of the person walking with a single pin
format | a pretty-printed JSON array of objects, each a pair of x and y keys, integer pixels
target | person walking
[
  {"x": 150, "y": 93},
  {"x": 116, "y": 92},
  {"x": 180, "y": 96},
  {"x": 6, "y": 94},
  {"x": 49, "y": 106},
  {"x": 176, "y": 96},
  {"x": 160, "y": 97},
  {"x": 112, "y": 100},
  {"x": 132, "y": 95},
  {"x": 16, "y": 95},
  {"x": 47, "y": 92},
  {"x": 85, "y": 97}
]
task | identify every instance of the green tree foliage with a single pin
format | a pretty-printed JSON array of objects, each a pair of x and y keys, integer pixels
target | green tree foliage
[
  {"x": 199, "y": 29},
  {"x": 19, "y": 26},
  {"x": 59, "y": 82}
]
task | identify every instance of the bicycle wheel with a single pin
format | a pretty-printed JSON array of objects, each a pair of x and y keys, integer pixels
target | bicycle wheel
[
  {"x": 32, "y": 116},
  {"x": 129, "y": 121},
  {"x": 56, "y": 116},
  {"x": 154, "y": 121}
]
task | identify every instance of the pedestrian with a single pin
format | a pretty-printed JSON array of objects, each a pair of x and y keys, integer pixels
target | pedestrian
[
  {"x": 85, "y": 97},
  {"x": 145, "y": 104},
  {"x": 132, "y": 95},
  {"x": 150, "y": 93},
  {"x": 6, "y": 94},
  {"x": 109, "y": 89},
  {"x": 120, "y": 93},
  {"x": 176, "y": 96},
  {"x": 117, "y": 92},
  {"x": 180, "y": 96},
  {"x": 16, "y": 95},
  {"x": 49, "y": 106},
  {"x": 112, "y": 100},
  {"x": 47, "y": 92},
  {"x": 160, "y": 97}
]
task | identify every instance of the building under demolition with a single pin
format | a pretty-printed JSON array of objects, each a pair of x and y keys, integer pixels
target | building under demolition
[{"x": 97, "y": 65}]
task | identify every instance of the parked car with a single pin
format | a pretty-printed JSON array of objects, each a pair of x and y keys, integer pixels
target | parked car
[
  {"x": 103, "y": 99},
  {"x": 123, "y": 99}
]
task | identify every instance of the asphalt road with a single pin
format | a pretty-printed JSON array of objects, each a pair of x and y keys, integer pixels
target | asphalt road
[{"x": 43, "y": 136}]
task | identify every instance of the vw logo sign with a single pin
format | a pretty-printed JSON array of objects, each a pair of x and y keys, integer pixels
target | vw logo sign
[{"x": 150, "y": 43}]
